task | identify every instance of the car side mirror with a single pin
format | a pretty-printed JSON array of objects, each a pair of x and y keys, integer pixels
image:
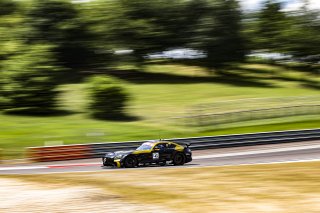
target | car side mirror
[{"x": 156, "y": 149}]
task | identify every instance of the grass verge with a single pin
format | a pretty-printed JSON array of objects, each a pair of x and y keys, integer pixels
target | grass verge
[{"x": 160, "y": 92}]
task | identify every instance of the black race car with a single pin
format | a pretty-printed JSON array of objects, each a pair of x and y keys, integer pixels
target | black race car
[{"x": 153, "y": 152}]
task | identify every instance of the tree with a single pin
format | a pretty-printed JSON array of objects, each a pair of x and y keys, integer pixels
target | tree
[
  {"x": 293, "y": 32},
  {"x": 29, "y": 80},
  {"x": 58, "y": 22},
  {"x": 10, "y": 29},
  {"x": 7, "y": 7},
  {"x": 219, "y": 33},
  {"x": 145, "y": 26},
  {"x": 303, "y": 33},
  {"x": 271, "y": 26}
]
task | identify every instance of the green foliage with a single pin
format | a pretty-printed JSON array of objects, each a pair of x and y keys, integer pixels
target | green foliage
[
  {"x": 295, "y": 32},
  {"x": 28, "y": 80},
  {"x": 7, "y": 7},
  {"x": 58, "y": 22},
  {"x": 10, "y": 28},
  {"x": 108, "y": 98},
  {"x": 303, "y": 33},
  {"x": 219, "y": 33},
  {"x": 143, "y": 26},
  {"x": 271, "y": 25},
  {"x": 85, "y": 35},
  {"x": 148, "y": 26}
]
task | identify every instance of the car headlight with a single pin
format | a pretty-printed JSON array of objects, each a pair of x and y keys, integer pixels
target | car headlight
[
  {"x": 109, "y": 155},
  {"x": 118, "y": 156}
]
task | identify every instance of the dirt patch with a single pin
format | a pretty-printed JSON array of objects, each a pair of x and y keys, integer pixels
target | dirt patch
[{"x": 19, "y": 196}]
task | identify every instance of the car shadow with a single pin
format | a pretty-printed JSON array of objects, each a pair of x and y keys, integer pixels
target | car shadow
[{"x": 153, "y": 166}]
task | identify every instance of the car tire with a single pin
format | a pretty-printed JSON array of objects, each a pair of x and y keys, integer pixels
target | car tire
[
  {"x": 179, "y": 159},
  {"x": 130, "y": 162},
  {"x": 162, "y": 163}
]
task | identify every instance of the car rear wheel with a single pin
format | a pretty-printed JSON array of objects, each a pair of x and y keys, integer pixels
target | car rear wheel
[
  {"x": 179, "y": 159},
  {"x": 130, "y": 162}
]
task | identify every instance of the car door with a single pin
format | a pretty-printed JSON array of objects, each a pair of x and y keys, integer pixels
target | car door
[
  {"x": 145, "y": 157},
  {"x": 170, "y": 150},
  {"x": 166, "y": 151},
  {"x": 144, "y": 154},
  {"x": 159, "y": 153}
]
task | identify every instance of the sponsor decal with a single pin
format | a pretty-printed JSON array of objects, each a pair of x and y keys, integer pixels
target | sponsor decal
[{"x": 155, "y": 155}]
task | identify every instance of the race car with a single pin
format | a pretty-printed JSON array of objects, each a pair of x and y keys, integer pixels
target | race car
[{"x": 152, "y": 152}]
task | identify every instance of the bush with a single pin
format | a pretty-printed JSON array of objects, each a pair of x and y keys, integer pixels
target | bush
[
  {"x": 28, "y": 80},
  {"x": 108, "y": 98}
]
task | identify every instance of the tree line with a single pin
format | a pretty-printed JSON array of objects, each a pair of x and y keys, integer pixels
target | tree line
[{"x": 43, "y": 43}]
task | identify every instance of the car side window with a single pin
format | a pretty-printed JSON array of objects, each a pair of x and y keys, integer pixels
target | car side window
[
  {"x": 160, "y": 146},
  {"x": 171, "y": 146}
]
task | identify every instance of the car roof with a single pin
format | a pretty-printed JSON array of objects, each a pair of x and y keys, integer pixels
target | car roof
[
  {"x": 156, "y": 142},
  {"x": 152, "y": 143}
]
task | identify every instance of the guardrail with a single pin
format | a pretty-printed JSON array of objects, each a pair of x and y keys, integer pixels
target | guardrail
[{"x": 95, "y": 150}]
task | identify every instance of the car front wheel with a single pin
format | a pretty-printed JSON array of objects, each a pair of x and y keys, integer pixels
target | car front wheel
[
  {"x": 130, "y": 162},
  {"x": 162, "y": 163}
]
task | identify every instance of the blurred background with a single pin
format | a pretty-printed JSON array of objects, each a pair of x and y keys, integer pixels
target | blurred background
[
  {"x": 94, "y": 71},
  {"x": 97, "y": 71}
]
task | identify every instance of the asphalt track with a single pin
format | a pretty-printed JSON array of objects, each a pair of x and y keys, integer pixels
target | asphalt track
[{"x": 263, "y": 154}]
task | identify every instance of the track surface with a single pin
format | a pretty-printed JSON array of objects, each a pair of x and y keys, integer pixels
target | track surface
[{"x": 289, "y": 152}]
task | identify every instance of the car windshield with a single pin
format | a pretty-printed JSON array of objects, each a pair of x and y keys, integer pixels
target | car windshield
[{"x": 145, "y": 146}]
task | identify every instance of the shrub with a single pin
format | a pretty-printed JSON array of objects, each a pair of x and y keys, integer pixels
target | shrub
[{"x": 108, "y": 98}]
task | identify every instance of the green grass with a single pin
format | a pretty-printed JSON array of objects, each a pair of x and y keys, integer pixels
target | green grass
[{"x": 160, "y": 93}]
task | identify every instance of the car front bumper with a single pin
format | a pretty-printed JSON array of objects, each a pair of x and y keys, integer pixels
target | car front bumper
[{"x": 111, "y": 162}]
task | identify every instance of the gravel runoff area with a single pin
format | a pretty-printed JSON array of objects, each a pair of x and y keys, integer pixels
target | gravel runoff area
[{"x": 19, "y": 196}]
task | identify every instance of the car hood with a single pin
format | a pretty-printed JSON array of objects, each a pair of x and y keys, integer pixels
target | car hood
[
  {"x": 118, "y": 153},
  {"x": 123, "y": 152}
]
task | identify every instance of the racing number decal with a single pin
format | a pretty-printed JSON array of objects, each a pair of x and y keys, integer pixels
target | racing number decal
[{"x": 155, "y": 155}]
